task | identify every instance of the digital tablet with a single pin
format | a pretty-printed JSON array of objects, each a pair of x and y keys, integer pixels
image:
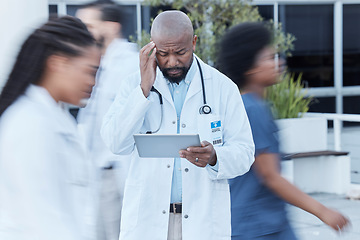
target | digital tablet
[{"x": 164, "y": 145}]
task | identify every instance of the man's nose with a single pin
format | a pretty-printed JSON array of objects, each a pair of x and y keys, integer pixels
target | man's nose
[{"x": 172, "y": 61}]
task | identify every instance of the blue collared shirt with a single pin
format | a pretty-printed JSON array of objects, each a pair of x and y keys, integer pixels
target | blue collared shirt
[{"x": 178, "y": 93}]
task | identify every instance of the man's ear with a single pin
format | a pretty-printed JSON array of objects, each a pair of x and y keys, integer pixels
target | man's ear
[{"x": 194, "y": 42}]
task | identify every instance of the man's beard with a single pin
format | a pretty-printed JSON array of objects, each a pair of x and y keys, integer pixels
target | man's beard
[{"x": 175, "y": 79}]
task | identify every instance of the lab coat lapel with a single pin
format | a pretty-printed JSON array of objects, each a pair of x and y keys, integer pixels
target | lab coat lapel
[
  {"x": 162, "y": 86},
  {"x": 66, "y": 124},
  {"x": 195, "y": 85}
]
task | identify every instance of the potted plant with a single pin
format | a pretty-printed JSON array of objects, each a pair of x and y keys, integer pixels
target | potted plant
[{"x": 289, "y": 103}]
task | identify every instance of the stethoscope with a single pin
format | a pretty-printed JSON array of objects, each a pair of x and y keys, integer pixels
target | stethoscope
[{"x": 204, "y": 109}]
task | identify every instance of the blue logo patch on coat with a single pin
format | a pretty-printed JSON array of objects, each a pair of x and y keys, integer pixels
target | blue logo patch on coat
[{"x": 215, "y": 124}]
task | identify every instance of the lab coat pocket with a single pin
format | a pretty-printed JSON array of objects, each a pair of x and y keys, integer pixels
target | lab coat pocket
[
  {"x": 210, "y": 129},
  {"x": 221, "y": 216},
  {"x": 131, "y": 205}
]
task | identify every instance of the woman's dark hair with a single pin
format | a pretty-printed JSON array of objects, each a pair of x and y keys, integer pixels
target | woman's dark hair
[
  {"x": 65, "y": 35},
  {"x": 239, "y": 48}
]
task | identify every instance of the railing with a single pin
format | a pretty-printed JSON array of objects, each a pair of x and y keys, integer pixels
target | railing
[{"x": 337, "y": 119}]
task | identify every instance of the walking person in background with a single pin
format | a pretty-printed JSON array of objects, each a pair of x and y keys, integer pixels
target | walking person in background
[
  {"x": 257, "y": 197},
  {"x": 119, "y": 59},
  {"x": 43, "y": 170}
]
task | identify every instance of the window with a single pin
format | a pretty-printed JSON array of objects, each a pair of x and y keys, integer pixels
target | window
[
  {"x": 145, "y": 18},
  {"x": 130, "y": 23},
  {"x": 351, "y": 45},
  {"x": 323, "y": 104},
  {"x": 53, "y": 9},
  {"x": 351, "y": 105},
  {"x": 266, "y": 11},
  {"x": 71, "y": 9},
  {"x": 312, "y": 25}
]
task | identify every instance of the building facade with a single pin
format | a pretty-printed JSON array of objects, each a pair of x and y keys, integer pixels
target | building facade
[{"x": 327, "y": 46}]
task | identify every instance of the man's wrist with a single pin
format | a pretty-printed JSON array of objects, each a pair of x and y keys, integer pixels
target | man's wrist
[{"x": 145, "y": 90}]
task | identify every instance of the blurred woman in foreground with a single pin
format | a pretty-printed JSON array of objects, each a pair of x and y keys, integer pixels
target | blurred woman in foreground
[
  {"x": 258, "y": 209},
  {"x": 43, "y": 175}
]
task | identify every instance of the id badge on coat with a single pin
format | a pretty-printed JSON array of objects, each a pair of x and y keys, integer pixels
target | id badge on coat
[{"x": 210, "y": 129}]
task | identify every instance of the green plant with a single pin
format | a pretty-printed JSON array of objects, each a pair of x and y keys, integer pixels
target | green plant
[
  {"x": 288, "y": 97},
  {"x": 145, "y": 39},
  {"x": 211, "y": 18}
]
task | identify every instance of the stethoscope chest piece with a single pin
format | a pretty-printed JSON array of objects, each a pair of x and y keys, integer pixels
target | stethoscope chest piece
[{"x": 206, "y": 109}]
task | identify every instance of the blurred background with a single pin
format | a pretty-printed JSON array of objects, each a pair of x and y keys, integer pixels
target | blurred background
[
  {"x": 326, "y": 44},
  {"x": 326, "y": 49},
  {"x": 320, "y": 40}
]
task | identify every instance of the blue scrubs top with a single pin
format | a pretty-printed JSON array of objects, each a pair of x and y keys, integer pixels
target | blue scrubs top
[{"x": 255, "y": 210}]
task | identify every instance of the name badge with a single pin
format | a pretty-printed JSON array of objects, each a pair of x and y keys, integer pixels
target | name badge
[{"x": 216, "y": 133}]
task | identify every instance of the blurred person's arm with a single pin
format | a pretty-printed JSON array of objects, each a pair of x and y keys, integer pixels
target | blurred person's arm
[{"x": 267, "y": 168}]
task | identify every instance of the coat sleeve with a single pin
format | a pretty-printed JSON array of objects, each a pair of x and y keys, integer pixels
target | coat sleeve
[
  {"x": 236, "y": 155},
  {"x": 125, "y": 117}
]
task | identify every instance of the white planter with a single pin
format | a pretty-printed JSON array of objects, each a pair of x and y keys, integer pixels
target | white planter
[{"x": 307, "y": 134}]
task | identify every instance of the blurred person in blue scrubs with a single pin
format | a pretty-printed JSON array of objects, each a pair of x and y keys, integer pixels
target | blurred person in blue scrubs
[
  {"x": 120, "y": 58},
  {"x": 258, "y": 197},
  {"x": 43, "y": 169}
]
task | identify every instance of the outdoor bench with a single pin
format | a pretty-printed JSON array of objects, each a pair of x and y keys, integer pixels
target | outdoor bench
[{"x": 320, "y": 171}]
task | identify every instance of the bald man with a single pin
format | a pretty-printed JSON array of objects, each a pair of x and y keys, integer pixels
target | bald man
[{"x": 186, "y": 197}]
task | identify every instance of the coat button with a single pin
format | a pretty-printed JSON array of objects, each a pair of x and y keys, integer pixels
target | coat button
[
  {"x": 186, "y": 216},
  {"x": 173, "y": 122},
  {"x": 183, "y": 125},
  {"x": 168, "y": 166},
  {"x": 186, "y": 169},
  {"x": 163, "y": 211}
]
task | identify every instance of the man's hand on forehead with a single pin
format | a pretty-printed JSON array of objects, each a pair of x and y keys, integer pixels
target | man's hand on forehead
[{"x": 147, "y": 67}]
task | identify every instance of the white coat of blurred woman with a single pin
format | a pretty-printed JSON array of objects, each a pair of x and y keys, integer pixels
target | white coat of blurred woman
[{"x": 43, "y": 173}]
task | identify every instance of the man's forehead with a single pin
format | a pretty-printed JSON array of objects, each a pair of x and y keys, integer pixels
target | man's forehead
[
  {"x": 172, "y": 47},
  {"x": 180, "y": 41}
]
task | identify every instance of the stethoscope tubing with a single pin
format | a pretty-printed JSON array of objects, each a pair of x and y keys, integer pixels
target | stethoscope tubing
[{"x": 205, "y": 109}]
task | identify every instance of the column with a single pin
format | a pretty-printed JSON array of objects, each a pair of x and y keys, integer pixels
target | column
[{"x": 18, "y": 18}]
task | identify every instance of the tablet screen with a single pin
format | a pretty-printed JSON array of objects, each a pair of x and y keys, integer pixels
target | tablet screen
[{"x": 164, "y": 145}]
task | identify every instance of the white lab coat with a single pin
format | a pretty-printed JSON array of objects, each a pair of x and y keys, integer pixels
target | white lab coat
[
  {"x": 120, "y": 60},
  {"x": 205, "y": 193},
  {"x": 43, "y": 174}
]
